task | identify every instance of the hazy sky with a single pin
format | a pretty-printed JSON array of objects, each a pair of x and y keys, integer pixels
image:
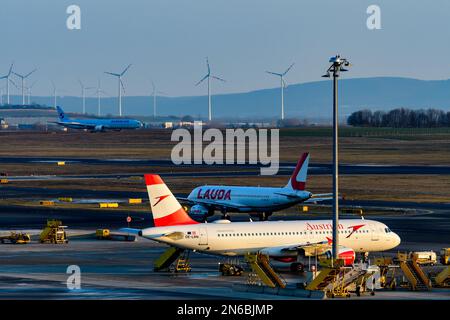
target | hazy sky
[{"x": 168, "y": 40}]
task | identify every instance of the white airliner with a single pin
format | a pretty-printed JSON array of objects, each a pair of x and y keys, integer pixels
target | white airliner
[
  {"x": 285, "y": 241},
  {"x": 263, "y": 200}
]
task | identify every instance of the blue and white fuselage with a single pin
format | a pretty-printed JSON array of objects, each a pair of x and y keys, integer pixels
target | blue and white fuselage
[{"x": 97, "y": 124}]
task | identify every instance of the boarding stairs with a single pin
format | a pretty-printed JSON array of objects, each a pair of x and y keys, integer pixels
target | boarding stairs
[
  {"x": 443, "y": 278},
  {"x": 169, "y": 256},
  {"x": 412, "y": 271},
  {"x": 260, "y": 265}
]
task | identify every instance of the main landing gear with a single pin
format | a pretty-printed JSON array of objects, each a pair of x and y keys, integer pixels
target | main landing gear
[
  {"x": 225, "y": 215},
  {"x": 297, "y": 267},
  {"x": 264, "y": 216}
]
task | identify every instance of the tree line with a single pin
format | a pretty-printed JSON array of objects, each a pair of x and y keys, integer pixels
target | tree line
[{"x": 400, "y": 118}]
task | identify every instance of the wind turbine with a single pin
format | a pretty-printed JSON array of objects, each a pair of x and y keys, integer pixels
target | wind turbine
[
  {"x": 7, "y": 82},
  {"x": 283, "y": 85},
  {"x": 98, "y": 92},
  {"x": 29, "y": 92},
  {"x": 54, "y": 94},
  {"x": 23, "y": 77},
  {"x": 154, "y": 93},
  {"x": 83, "y": 89},
  {"x": 208, "y": 76},
  {"x": 119, "y": 77}
]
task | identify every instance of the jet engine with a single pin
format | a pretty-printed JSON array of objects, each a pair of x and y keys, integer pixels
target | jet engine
[
  {"x": 199, "y": 211},
  {"x": 347, "y": 254}
]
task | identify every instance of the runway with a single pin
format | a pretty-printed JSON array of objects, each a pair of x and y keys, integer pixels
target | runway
[{"x": 250, "y": 169}]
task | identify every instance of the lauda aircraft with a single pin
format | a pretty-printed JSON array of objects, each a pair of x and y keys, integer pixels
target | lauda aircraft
[
  {"x": 286, "y": 241},
  {"x": 262, "y": 200}
]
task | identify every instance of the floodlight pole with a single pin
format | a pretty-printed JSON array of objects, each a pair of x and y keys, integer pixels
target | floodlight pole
[
  {"x": 335, "y": 167},
  {"x": 336, "y": 68}
]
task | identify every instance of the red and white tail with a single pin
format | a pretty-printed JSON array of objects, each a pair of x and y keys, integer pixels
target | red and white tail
[
  {"x": 298, "y": 178},
  {"x": 166, "y": 209}
]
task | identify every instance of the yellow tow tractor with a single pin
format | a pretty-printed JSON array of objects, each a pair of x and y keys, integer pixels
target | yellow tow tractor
[
  {"x": 16, "y": 238},
  {"x": 54, "y": 232},
  {"x": 445, "y": 256}
]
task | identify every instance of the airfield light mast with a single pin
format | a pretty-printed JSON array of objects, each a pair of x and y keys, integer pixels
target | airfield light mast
[{"x": 338, "y": 65}]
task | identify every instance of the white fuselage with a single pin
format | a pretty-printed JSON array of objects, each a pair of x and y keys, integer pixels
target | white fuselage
[
  {"x": 238, "y": 238},
  {"x": 248, "y": 199}
]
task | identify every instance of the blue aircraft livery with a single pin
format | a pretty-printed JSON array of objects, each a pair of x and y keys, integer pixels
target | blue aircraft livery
[{"x": 96, "y": 124}]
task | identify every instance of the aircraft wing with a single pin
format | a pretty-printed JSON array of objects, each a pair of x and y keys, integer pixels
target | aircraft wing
[
  {"x": 310, "y": 249},
  {"x": 288, "y": 195},
  {"x": 74, "y": 124},
  {"x": 212, "y": 204},
  {"x": 321, "y": 197},
  {"x": 185, "y": 200},
  {"x": 130, "y": 231}
]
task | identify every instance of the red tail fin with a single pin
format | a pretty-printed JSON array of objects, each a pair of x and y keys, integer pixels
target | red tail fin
[
  {"x": 298, "y": 178},
  {"x": 166, "y": 209}
]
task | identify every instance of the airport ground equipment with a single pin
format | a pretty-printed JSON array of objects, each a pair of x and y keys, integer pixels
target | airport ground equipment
[
  {"x": 424, "y": 257},
  {"x": 414, "y": 274},
  {"x": 65, "y": 199},
  {"x": 135, "y": 201},
  {"x": 182, "y": 263},
  {"x": 166, "y": 259},
  {"x": 445, "y": 256},
  {"x": 54, "y": 232},
  {"x": 260, "y": 265},
  {"x": 109, "y": 205},
  {"x": 16, "y": 238},
  {"x": 102, "y": 233},
  {"x": 176, "y": 256},
  {"x": 106, "y": 234},
  {"x": 47, "y": 203},
  {"x": 387, "y": 272},
  {"x": 4, "y": 178},
  {"x": 443, "y": 278},
  {"x": 338, "y": 281},
  {"x": 230, "y": 269}
]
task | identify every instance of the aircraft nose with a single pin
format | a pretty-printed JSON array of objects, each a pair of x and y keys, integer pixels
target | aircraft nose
[{"x": 397, "y": 239}]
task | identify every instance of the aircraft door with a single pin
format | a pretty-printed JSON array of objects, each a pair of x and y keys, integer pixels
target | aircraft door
[
  {"x": 203, "y": 237},
  {"x": 375, "y": 233}
]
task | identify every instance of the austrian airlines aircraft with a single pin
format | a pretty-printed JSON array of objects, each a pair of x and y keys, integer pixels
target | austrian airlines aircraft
[
  {"x": 206, "y": 199},
  {"x": 281, "y": 240}
]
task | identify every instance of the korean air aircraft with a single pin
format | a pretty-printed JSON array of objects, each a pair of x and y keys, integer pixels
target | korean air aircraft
[
  {"x": 263, "y": 200},
  {"x": 96, "y": 124},
  {"x": 285, "y": 241}
]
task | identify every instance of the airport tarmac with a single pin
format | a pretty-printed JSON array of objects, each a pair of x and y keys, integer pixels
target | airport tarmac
[{"x": 123, "y": 270}]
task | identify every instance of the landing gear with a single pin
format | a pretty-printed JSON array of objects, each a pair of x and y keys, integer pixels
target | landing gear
[
  {"x": 264, "y": 216},
  {"x": 365, "y": 257},
  {"x": 225, "y": 215},
  {"x": 297, "y": 267}
]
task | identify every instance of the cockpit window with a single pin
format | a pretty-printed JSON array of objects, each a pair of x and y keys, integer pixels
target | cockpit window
[{"x": 387, "y": 230}]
